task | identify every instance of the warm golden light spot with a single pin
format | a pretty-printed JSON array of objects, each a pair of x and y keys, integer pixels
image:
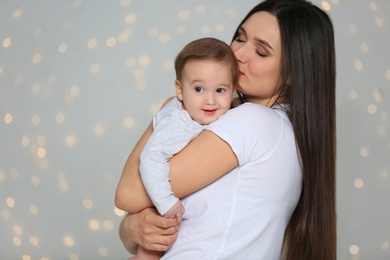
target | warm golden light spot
[
  {"x": 378, "y": 21},
  {"x": 130, "y": 61},
  {"x": 128, "y": 122},
  {"x": 354, "y": 250},
  {"x": 34, "y": 241},
  {"x": 63, "y": 185},
  {"x": 124, "y": 36},
  {"x": 181, "y": 29},
  {"x": 387, "y": 74},
  {"x": 99, "y": 130},
  {"x": 131, "y": 18},
  {"x": 164, "y": 38},
  {"x": 220, "y": 28},
  {"x": 385, "y": 245},
  {"x": 358, "y": 65},
  {"x": 17, "y": 12},
  {"x": 364, "y": 47},
  {"x": 94, "y": 68},
  {"x": 35, "y": 88},
  {"x": 26, "y": 257},
  {"x": 14, "y": 173},
  {"x": 63, "y": 47},
  {"x": 35, "y": 180},
  {"x": 144, "y": 60},
  {"x": 87, "y": 203},
  {"x": 119, "y": 212},
  {"x": 2, "y": 176},
  {"x": 8, "y": 118},
  {"x": 205, "y": 29},
  {"x": 103, "y": 251},
  {"x": 34, "y": 210},
  {"x": 335, "y": 1},
  {"x": 18, "y": 80},
  {"x": 353, "y": 94},
  {"x": 92, "y": 43},
  {"x": 231, "y": 13},
  {"x": 69, "y": 101},
  {"x": 377, "y": 95},
  {"x": 141, "y": 85},
  {"x": 125, "y": 3},
  {"x": 5, "y": 214},
  {"x": 372, "y": 108},
  {"x": 373, "y": 6},
  {"x": 153, "y": 32},
  {"x": 1, "y": 70},
  {"x": 168, "y": 65},
  {"x": 41, "y": 152},
  {"x": 364, "y": 152},
  {"x": 111, "y": 42},
  {"x": 17, "y": 241},
  {"x": 60, "y": 117},
  {"x": 139, "y": 74},
  {"x": 184, "y": 14},
  {"x": 382, "y": 131},
  {"x": 41, "y": 140},
  {"x": 108, "y": 225},
  {"x": 69, "y": 241},
  {"x": 325, "y": 5},
  {"x": 10, "y": 202},
  {"x": 358, "y": 183},
  {"x": 200, "y": 9},
  {"x": 37, "y": 32},
  {"x": 70, "y": 141},
  {"x": 384, "y": 117},
  {"x": 37, "y": 58},
  {"x": 18, "y": 230},
  {"x": 94, "y": 224},
  {"x": 74, "y": 91},
  {"x": 74, "y": 257},
  {"x": 7, "y": 42},
  {"x": 77, "y": 3},
  {"x": 128, "y": 32},
  {"x": 352, "y": 29}
]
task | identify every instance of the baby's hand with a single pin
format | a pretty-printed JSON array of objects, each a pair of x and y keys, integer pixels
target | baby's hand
[{"x": 176, "y": 211}]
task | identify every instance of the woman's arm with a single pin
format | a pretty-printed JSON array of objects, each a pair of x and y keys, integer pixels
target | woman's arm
[
  {"x": 200, "y": 163},
  {"x": 130, "y": 193}
]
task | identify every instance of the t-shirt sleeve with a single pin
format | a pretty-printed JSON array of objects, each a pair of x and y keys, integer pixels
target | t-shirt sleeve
[{"x": 250, "y": 130}]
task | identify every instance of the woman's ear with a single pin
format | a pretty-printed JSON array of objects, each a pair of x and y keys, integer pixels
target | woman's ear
[{"x": 179, "y": 90}]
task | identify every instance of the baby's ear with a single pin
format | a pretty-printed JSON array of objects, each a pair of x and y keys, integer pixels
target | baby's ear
[{"x": 179, "y": 90}]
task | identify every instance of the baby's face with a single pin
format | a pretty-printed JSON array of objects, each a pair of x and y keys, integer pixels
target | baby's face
[{"x": 206, "y": 90}]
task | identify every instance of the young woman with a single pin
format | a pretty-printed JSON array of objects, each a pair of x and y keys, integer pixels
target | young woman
[{"x": 263, "y": 175}]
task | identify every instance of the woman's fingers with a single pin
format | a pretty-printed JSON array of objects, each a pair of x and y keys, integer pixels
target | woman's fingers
[{"x": 157, "y": 232}]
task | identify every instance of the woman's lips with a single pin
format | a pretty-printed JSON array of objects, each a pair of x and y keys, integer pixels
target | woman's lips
[{"x": 241, "y": 73}]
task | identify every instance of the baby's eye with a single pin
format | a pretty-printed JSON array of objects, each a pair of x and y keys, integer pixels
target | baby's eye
[
  {"x": 220, "y": 90},
  {"x": 198, "y": 89}
]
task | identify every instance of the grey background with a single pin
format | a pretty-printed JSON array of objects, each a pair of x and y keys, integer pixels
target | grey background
[{"x": 70, "y": 113}]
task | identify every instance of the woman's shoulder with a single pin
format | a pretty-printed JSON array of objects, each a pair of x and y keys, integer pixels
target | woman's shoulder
[{"x": 254, "y": 112}]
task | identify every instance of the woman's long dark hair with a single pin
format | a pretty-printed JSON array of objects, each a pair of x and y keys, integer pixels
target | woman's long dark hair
[{"x": 308, "y": 79}]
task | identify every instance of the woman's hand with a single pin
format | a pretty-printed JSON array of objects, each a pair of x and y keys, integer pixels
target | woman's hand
[{"x": 149, "y": 230}]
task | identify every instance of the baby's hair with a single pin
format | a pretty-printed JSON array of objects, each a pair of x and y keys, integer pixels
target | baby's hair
[{"x": 207, "y": 49}]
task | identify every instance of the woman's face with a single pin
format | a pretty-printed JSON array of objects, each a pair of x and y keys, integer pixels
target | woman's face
[{"x": 258, "y": 51}]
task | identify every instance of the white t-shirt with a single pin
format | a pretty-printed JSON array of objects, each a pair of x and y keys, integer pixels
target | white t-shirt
[{"x": 243, "y": 215}]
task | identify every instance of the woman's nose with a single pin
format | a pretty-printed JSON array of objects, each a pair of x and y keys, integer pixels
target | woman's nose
[{"x": 239, "y": 52}]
